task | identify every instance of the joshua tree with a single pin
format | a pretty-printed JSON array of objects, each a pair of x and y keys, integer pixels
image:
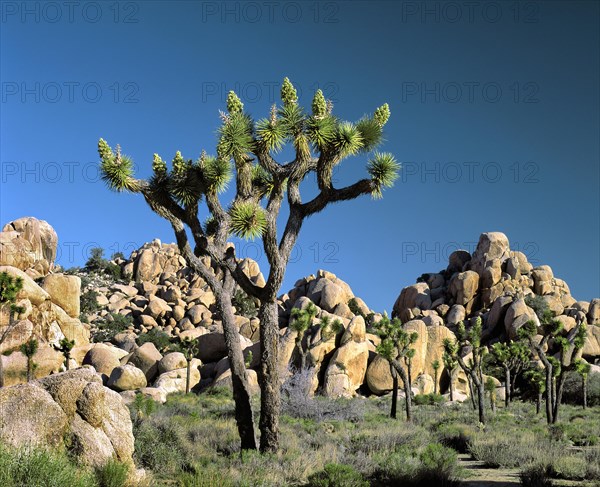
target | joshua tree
[
  {"x": 513, "y": 357},
  {"x": 9, "y": 289},
  {"x": 450, "y": 362},
  {"x": 436, "y": 366},
  {"x": 490, "y": 388},
  {"x": 537, "y": 378},
  {"x": 189, "y": 348},
  {"x": 568, "y": 350},
  {"x": 320, "y": 142},
  {"x": 472, "y": 339},
  {"x": 396, "y": 342},
  {"x": 302, "y": 322},
  {"x": 410, "y": 354},
  {"x": 29, "y": 348},
  {"x": 554, "y": 369},
  {"x": 583, "y": 369},
  {"x": 66, "y": 346}
]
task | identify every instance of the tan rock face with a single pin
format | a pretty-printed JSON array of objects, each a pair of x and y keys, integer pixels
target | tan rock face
[
  {"x": 70, "y": 406},
  {"x": 103, "y": 358},
  {"x": 126, "y": 378},
  {"x": 346, "y": 370},
  {"x": 48, "y": 361},
  {"x": 463, "y": 287},
  {"x": 64, "y": 291},
  {"x": 40, "y": 250},
  {"x": 146, "y": 358},
  {"x": 414, "y": 296}
]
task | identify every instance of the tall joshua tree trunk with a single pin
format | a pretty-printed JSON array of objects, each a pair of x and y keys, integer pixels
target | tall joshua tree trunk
[
  {"x": 270, "y": 399},
  {"x": 506, "y": 386},
  {"x": 393, "y": 411},
  {"x": 407, "y": 391},
  {"x": 241, "y": 391}
]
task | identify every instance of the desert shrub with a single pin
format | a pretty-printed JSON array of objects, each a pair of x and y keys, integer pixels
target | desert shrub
[
  {"x": 114, "y": 271},
  {"x": 105, "y": 330},
  {"x": 36, "y": 467},
  {"x": 112, "y": 474},
  {"x": 354, "y": 308},
  {"x": 535, "y": 476},
  {"x": 538, "y": 304},
  {"x": 117, "y": 255},
  {"x": 428, "y": 399},
  {"x": 88, "y": 302},
  {"x": 508, "y": 448},
  {"x": 337, "y": 475},
  {"x": 96, "y": 261},
  {"x": 159, "y": 446},
  {"x": 439, "y": 466},
  {"x": 456, "y": 436},
  {"x": 160, "y": 339},
  {"x": 244, "y": 304},
  {"x": 573, "y": 393}
]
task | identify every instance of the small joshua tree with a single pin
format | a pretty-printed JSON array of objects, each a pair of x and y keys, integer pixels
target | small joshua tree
[
  {"x": 395, "y": 344},
  {"x": 583, "y": 369},
  {"x": 29, "y": 348},
  {"x": 189, "y": 348},
  {"x": 302, "y": 322},
  {"x": 65, "y": 346},
  {"x": 436, "y": 367},
  {"x": 490, "y": 388},
  {"x": 537, "y": 379},
  {"x": 513, "y": 357},
  {"x": 472, "y": 339},
  {"x": 247, "y": 149},
  {"x": 9, "y": 289},
  {"x": 450, "y": 362}
]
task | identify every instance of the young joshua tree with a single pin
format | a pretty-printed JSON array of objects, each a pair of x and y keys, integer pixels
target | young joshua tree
[
  {"x": 189, "y": 348},
  {"x": 395, "y": 344},
  {"x": 537, "y": 379},
  {"x": 436, "y": 366},
  {"x": 9, "y": 289},
  {"x": 583, "y": 369},
  {"x": 29, "y": 349},
  {"x": 302, "y": 321},
  {"x": 246, "y": 151},
  {"x": 472, "y": 339},
  {"x": 513, "y": 357},
  {"x": 65, "y": 346},
  {"x": 450, "y": 362},
  {"x": 490, "y": 388}
]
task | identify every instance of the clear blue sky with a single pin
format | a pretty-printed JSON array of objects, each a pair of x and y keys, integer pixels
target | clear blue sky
[{"x": 495, "y": 116}]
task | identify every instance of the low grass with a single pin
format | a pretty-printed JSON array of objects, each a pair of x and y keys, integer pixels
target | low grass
[{"x": 192, "y": 441}]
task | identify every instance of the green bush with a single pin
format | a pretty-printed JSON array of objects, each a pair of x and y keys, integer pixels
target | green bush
[
  {"x": 439, "y": 466},
  {"x": 456, "y": 436},
  {"x": 88, "y": 302},
  {"x": 160, "y": 339},
  {"x": 535, "y": 476},
  {"x": 106, "y": 329},
  {"x": 40, "y": 468},
  {"x": 113, "y": 474},
  {"x": 244, "y": 304},
  {"x": 428, "y": 399},
  {"x": 114, "y": 271},
  {"x": 337, "y": 475},
  {"x": 572, "y": 391}
]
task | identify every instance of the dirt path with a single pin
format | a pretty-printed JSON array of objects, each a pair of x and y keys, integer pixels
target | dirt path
[{"x": 482, "y": 476}]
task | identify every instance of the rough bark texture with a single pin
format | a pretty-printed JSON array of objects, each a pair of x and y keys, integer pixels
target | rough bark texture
[
  {"x": 393, "y": 411},
  {"x": 270, "y": 399},
  {"x": 506, "y": 386}
]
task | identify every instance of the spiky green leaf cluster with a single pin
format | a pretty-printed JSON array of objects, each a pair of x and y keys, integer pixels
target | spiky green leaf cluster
[
  {"x": 396, "y": 342},
  {"x": 217, "y": 173},
  {"x": 271, "y": 133},
  {"x": 248, "y": 220},
  {"x": 582, "y": 367},
  {"x": 210, "y": 226},
  {"x": 116, "y": 169},
  {"x": 302, "y": 319},
  {"x": 292, "y": 120},
  {"x": 234, "y": 104},
  {"x": 536, "y": 378},
  {"x": 329, "y": 327},
  {"x": 383, "y": 169},
  {"x": 289, "y": 96},
  {"x": 235, "y": 136},
  {"x": 319, "y": 105},
  {"x": 382, "y": 114},
  {"x": 580, "y": 336},
  {"x": 321, "y": 131},
  {"x": 371, "y": 133},
  {"x": 347, "y": 139},
  {"x": 186, "y": 185}
]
